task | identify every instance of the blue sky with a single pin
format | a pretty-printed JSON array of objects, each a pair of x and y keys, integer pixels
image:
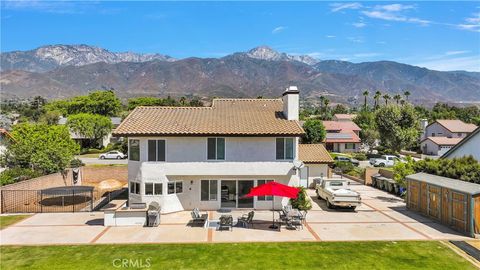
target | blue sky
[{"x": 437, "y": 35}]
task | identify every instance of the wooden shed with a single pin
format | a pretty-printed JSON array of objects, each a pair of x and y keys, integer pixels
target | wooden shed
[{"x": 449, "y": 201}]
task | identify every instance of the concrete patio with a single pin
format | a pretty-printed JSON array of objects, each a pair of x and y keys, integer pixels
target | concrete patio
[{"x": 381, "y": 217}]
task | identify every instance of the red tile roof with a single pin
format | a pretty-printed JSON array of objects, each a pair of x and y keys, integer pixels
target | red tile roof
[
  {"x": 342, "y": 137},
  {"x": 340, "y": 125}
]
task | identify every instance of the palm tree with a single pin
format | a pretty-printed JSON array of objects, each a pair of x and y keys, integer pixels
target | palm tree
[
  {"x": 403, "y": 102},
  {"x": 407, "y": 94},
  {"x": 326, "y": 102},
  {"x": 377, "y": 96},
  {"x": 183, "y": 100},
  {"x": 322, "y": 101},
  {"x": 365, "y": 94},
  {"x": 386, "y": 97},
  {"x": 397, "y": 98}
]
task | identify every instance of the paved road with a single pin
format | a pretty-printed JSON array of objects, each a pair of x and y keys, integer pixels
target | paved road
[{"x": 88, "y": 161}]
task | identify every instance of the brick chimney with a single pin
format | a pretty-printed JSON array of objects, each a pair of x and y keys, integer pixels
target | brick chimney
[{"x": 291, "y": 103}]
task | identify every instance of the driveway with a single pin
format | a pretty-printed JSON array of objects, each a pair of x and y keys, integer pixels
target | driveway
[
  {"x": 90, "y": 161},
  {"x": 381, "y": 216}
]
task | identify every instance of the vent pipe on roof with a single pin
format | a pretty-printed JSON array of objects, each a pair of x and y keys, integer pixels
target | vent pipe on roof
[{"x": 291, "y": 103}]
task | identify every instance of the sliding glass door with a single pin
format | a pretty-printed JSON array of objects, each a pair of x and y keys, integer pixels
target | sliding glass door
[{"x": 244, "y": 187}]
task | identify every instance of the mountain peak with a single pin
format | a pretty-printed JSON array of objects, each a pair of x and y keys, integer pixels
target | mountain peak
[{"x": 264, "y": 53}]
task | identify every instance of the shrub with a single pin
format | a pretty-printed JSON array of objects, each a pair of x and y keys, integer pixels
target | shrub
[
  {"x": 75, "y": 163},
  {"x": 302, "y": 202},
  {"x": 360, "y": 156},
  {"x": 344, "y": 166},
  {"x": 17, "y": 174}
]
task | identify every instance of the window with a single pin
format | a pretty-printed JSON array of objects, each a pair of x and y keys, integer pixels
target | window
[
  {"x": 264, "y": 198},
  {"x": 349, "y": 146},
  {"x": 216, "y": 148},
  {"x": 175, "y": 187},
  {"x": 153, "y": 189},
  {"x": 156, "y": 150},
  {"x": 284, "y": 148},
  {"x": 134, "y": 188},
  {"x": 208, "y": 190},
  {"x": 134, "y": 150}
]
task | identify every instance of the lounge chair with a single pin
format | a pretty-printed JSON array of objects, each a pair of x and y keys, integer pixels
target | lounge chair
[
  {"x": 225, "y": 222},
  {"x": 198, "y": 218},
  {"x": 247, "y": 219}
]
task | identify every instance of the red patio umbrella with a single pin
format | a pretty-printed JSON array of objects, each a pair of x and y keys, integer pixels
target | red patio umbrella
[{"x": 274, "y": 189}]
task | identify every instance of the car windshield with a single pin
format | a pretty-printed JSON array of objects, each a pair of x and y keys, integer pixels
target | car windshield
[{"x": 336, "y": 184}]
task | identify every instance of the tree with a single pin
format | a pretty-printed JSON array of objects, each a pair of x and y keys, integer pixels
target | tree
[
  {"x": 370, "y": 137},
  {"x": 465, "y": 168},
  {"x": 401, "y": 170},
  {"x": 339, "y": 108},
  {"x": 322, "y": 102},
  {"x": 51, "y": 117},
  {"x": 91, "y": 126},
  {"x": 365, "y": 95},
  {"x": 44, "y": 148},
  {"x": 97, "y": 102},
  {"x": 406, "y": 94},
  {"x": 303, "y": 201},
  {"x": 314, "y": 131},
  {"x": 386, "y": 97},
  {"x": 376, "y": 97},
  {"x": 397, "y": 126},
  {"x": 397, "y": 98}
]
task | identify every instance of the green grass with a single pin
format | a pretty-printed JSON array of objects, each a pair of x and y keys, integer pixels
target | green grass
[
  {"x": 326, "y": 255},
  {"x": 89, "y": 155},
  {"x": 334, "y": 154},
  {"x": 6, "y": 221}
]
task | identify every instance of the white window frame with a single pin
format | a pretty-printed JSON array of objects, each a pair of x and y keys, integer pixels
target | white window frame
[
  {"x": 139, "y": 150},
  {"x": 216, "y": 147},
  {"x": 135, "y": 184},
  {"x": 265, "y": 198},
  {"x": 209, "y": 194},
  {"x": 156, "y": 150},
  {"x": 175, "y": 187},
  {"x": 153, "y": 189},
  {"x": 285, "y": 148}
]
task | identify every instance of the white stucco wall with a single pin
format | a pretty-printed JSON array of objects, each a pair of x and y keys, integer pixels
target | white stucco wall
[
  {"x": 429, "y": 148},
  {"x": 340, "y": 148},
  {"x": 470, "y": 147},
  {"x": 316, "y": 171},
  {"x": 439, "y": 131}
]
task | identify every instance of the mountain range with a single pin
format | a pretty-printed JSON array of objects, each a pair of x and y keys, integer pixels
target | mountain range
[{"x": 59, "y": 71}]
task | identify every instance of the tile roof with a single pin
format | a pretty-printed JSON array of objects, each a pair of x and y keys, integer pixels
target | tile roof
[
  {"x": 457, "y": 125},
  {"x": 444, "y": 140},
  {"x": 470, "y": 136},
  {"x": 340, "y": 125},
  {"x": 234, "y": 117},
  {"x": 313, "y": 153}
]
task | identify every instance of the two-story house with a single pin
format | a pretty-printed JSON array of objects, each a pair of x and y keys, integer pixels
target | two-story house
[
  {"x": 342, "y": 136},
  {"x": 210, "y": 157},
  {"x": 441, "y": 135}
]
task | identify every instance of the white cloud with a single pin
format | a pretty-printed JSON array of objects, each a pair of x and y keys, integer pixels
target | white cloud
[
  {"x": 456, "y": 52},
  {"x": 468, "y": 63},
  {"x": 471, "y": 23},
  {"x": 393, "y": 16},
  {"x": 359, "y": 24},
  {"x": 356, "y": 39},
  {"x": 394, "y": 7},
  {"x": 330, "y": 36},
  {"x": 278, "y": 29},
  {"x": 341, "y": 6},
  {"x": 58, "y": 6}
]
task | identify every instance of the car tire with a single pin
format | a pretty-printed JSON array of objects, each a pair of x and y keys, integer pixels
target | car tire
[
  {"x": 353, "y": 208},
  {"x": 102, "y": 157},
  {"x": 329, "y": 205},
  {"x": 119, "y": 157},
  {"x": 381, "y": 165}
]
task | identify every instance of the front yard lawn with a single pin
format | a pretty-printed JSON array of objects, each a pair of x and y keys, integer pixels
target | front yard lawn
[
  {"x": 6, "y": 221},
  {"x": 326, "y": 255}
]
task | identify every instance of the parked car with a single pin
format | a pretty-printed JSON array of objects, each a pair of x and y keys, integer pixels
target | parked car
[
  {"x": 384, "y": 161},
  {"x": 347, "y": 159},
  {"x": 113, "y": 155},
  {"x": 337, "y": 193}
]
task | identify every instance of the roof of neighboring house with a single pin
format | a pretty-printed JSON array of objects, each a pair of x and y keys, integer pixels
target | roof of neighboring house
[
  {"x": 450, "y": 183},
  {"x": 476, "y": 132},
  {"x": 231, "y": 117},
  {"x": 342, "y": 137},
  {"x": 443, "y": 140},
  {"x": 340, "y": 125},
  {"x": 455, "y": 125},
  {"x": 344, "y": 116},
  {"x": 313, "y": 153}
]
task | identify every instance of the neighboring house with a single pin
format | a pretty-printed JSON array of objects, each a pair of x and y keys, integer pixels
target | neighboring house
[
  {"x": 210, "y": 157},
  {"x": 316, "y": 159},
  {"x": 344, "y": 117},
  {"x": 342, "y": 136},
  {"x": 437, "y": 146},
  {"x": 441, "y": 135},
  {"x": 83, "y": 141},
  {"x": 469, "y": 145}
]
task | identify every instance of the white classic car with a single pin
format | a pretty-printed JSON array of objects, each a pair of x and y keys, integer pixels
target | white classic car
[{"x": 336, "y": 192}]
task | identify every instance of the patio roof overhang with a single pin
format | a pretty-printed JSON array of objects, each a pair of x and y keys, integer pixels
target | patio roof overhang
[{"x": 217, "y": 168}]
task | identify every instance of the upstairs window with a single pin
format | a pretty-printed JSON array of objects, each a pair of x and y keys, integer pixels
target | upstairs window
[
  {"x": 284, "y": 148},
  {"x": 134, "y": 150},
  {"x": 156, "y": 150},
  {"x": 216, "y": 148}
]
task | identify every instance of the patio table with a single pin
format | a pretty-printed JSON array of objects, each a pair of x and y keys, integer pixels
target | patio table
[{"x": 291, "y": 215}]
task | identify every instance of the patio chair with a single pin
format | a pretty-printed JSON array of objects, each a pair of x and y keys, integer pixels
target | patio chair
[
  {"x": 225, "y": 222},
  {"x": 287, "y": 208},
  {"x": 295, "y": 222},
  {"x": 247, "y": 219},
  {"x": 303, "y": 216},
  {"x": 198, "y": 218}
]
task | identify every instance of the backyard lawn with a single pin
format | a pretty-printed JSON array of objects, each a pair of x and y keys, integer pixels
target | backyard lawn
[
  {"x": 327, "y": 255},
  {"x": 6, "y": 221}
]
